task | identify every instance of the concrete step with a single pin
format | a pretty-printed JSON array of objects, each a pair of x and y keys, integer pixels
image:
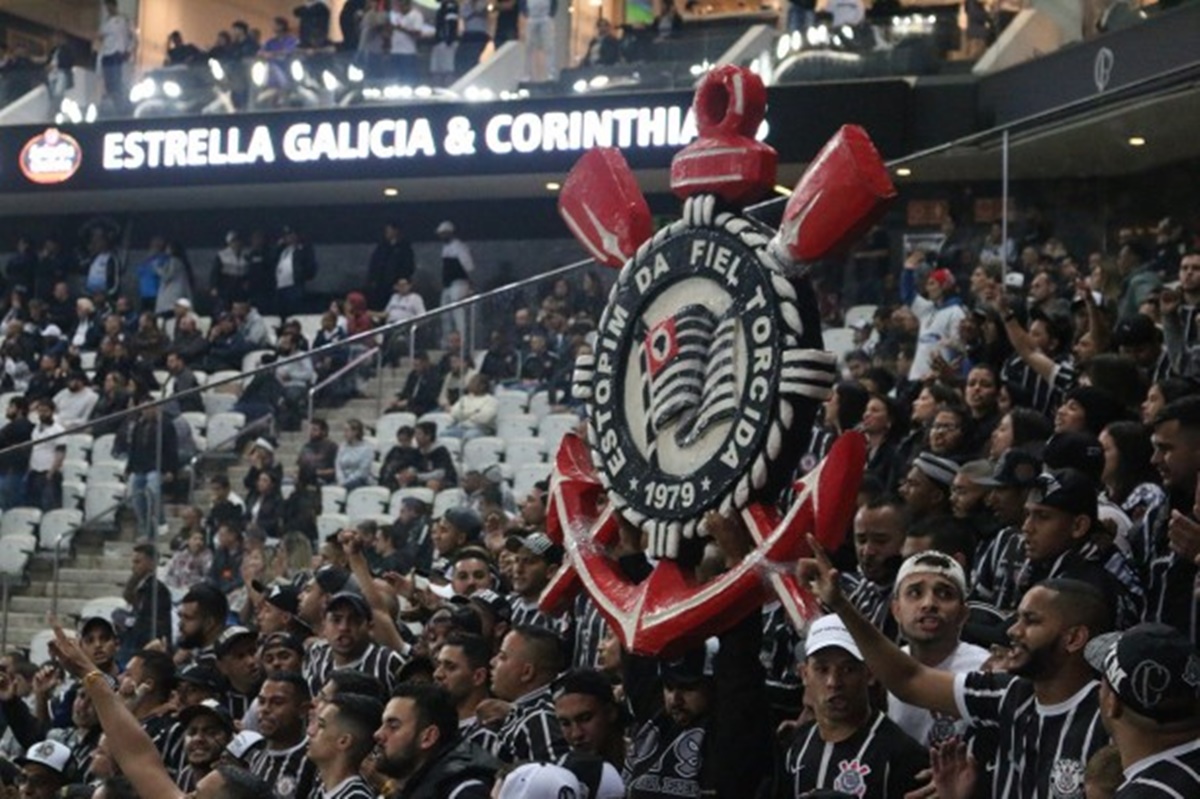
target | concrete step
[
  {"x": 114, "y": 571},
  {"x": 41, "y": 604},
  {"x": 82, "y": 591}
]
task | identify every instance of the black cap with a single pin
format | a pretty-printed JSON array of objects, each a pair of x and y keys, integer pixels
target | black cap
[
  {"x": 465, "y": 520},
  {"x": 1068, "y": 490},
  {"x": 210, "y": 707},
  {"x": 585, "y": 681},
  {"x": 1015, "y": 469},
  {"x": 333, "y": 580},
  {"x": 1136, "y": 331},
  {"x": 355, "y": 601},
  {"x": 1153, "y": 668},
  {"x": 204, "y": 676},
  {"x": 493, "y": 602},
  {"x": 286, "y": 640},
  {"x": 231, "y": 636},
  {"x": 1080, "y": 451},
  {"x": 88, "y": 621},
  {"x": 537, "y": 543},
  {"x": 694, "y": 666},
  {"x": 284, "y": 597}
]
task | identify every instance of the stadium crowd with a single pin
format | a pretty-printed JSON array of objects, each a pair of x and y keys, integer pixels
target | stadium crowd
[{"x": 1014, "y": 612}]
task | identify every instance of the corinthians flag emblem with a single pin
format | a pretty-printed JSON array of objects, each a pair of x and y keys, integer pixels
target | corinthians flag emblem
[{"x": 688, "y": 361}]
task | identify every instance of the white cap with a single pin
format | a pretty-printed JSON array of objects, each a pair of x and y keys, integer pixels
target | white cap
[
  {"x": 446, "y": 227},
  {"x": 50, "y": 754},
  {"x": 243, "y": 742},
  {"x": 52, "y": 331},
  {"x": 262, "y": 443},
  {"x": 184, "y": 302},
  {"x": 540, "y": 781},
  {"x": 933, "y": 562},
  {"x": 829, "y": 631},
  {"x": 1014, "y": 280}
]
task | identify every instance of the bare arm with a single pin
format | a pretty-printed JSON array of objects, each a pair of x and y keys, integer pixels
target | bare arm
[
  {"x": 1023, "y": 345},
  {"x": 132, "y": 748},
  {"x": 900, "y": 674},
  {"x": 384, "y": 629}
]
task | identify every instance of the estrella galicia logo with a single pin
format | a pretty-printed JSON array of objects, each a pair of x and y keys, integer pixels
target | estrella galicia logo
[{"x": 50, "y": 157}]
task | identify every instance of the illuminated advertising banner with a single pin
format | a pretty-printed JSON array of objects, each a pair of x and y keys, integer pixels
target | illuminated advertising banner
[{"x": 432, "y": 140}]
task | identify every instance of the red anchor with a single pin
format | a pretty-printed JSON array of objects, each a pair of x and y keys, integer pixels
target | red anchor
[{"x": 843, "y": 192}]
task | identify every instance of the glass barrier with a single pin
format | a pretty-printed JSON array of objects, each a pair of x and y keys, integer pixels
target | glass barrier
[{"x": 894, "y": 39}]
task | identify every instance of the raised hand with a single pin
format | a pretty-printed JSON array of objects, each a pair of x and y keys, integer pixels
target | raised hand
[
  {"x": 819, "y": 575},
  {"x": 68, "y": 653},
  {"x": 45, "y": 681},
  {"x": 954, "y": 770}
]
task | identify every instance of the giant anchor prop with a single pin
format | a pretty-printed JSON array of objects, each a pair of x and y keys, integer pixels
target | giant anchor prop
[{"x": 707, "y": 373}]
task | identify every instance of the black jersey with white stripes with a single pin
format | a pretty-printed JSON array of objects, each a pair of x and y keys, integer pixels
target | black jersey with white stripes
[
  {"x": 350, "y": 788},
  {"x": 1170, "y": 774},
  {"x": 289, "y": 772},
  {"x": 879, "y": 760},
  {"x": 1042, "y": 749},
  {"x": 377, "y": 661}
]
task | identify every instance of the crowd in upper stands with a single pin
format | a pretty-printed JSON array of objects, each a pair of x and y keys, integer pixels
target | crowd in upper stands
[{"x": 364, "y": 619}]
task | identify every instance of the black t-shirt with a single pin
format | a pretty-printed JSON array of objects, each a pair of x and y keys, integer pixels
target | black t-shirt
[
  {"x": 664, "y": 760},
  {"x": 879, "y": 760}
]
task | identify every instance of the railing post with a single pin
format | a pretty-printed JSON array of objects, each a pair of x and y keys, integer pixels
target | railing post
[
  {"x": 54, "y": 592},
  {"x": 311, "y": 393},
  {"x": 4, "y": 631},
  {"x": 412, "y": 343},
  {"x": 379, "y": 382}
]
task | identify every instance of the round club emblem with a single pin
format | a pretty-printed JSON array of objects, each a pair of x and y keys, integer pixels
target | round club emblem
[{"x": 697, "y": 363}]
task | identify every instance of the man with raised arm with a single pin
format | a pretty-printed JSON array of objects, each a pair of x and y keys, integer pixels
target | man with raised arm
[
  {"x": 131, "y": 747},
  {"x": 1045, "y": 706}
]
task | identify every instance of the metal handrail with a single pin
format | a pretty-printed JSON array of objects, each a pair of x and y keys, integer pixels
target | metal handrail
[
  {"x": 374, "y": 352},
  {"x": 210, "y": 451},
  {"x": 466, "y": 302}
]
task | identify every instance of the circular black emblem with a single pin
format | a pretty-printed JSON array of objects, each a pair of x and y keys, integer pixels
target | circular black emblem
[{"x": 695, "y": 365}]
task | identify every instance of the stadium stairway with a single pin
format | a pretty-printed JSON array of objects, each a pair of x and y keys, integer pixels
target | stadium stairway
[{"x": 99, "y": 565}]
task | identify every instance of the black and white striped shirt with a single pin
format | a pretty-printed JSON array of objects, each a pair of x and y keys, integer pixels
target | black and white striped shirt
[
  {"x": 1169, "y": 580},
  {"x": 1043, "y": 396},
  {"x": 377, "y": 661},
  {"x": 997, "y": 565},
  {"x": 1042, "y": 749},
  {"x": 473, "y": 730},
  {"x": 1171, "y": 774},
  {"x": 531, "y": 731},
  {"x": 874, "y": 601},
  {"x": 350, "y": 788},
  {"x": 187, "y": 779},
  {"x": 525, "y": 612},
  {"x": 289, "y": 772},
  {"x": 879, "y": 760},
  {"x": 589, "y": 630}
]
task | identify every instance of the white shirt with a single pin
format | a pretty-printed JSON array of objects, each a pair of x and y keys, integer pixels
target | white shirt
[
  {"x": 405, "y": 28},
  {"x": 285, "y": 272},
  {"x": 41, "y": 456},
  {"x": 458, "y": 249},
  {"x": 918, "y": 722},
  {"x": 401, "y": 308},
  {"x": 116, "y": 35},
  {"x": 74, "y": 407}
]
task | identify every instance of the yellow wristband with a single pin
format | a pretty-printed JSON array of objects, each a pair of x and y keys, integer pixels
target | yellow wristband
[{"x": 93, "y": 676}]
